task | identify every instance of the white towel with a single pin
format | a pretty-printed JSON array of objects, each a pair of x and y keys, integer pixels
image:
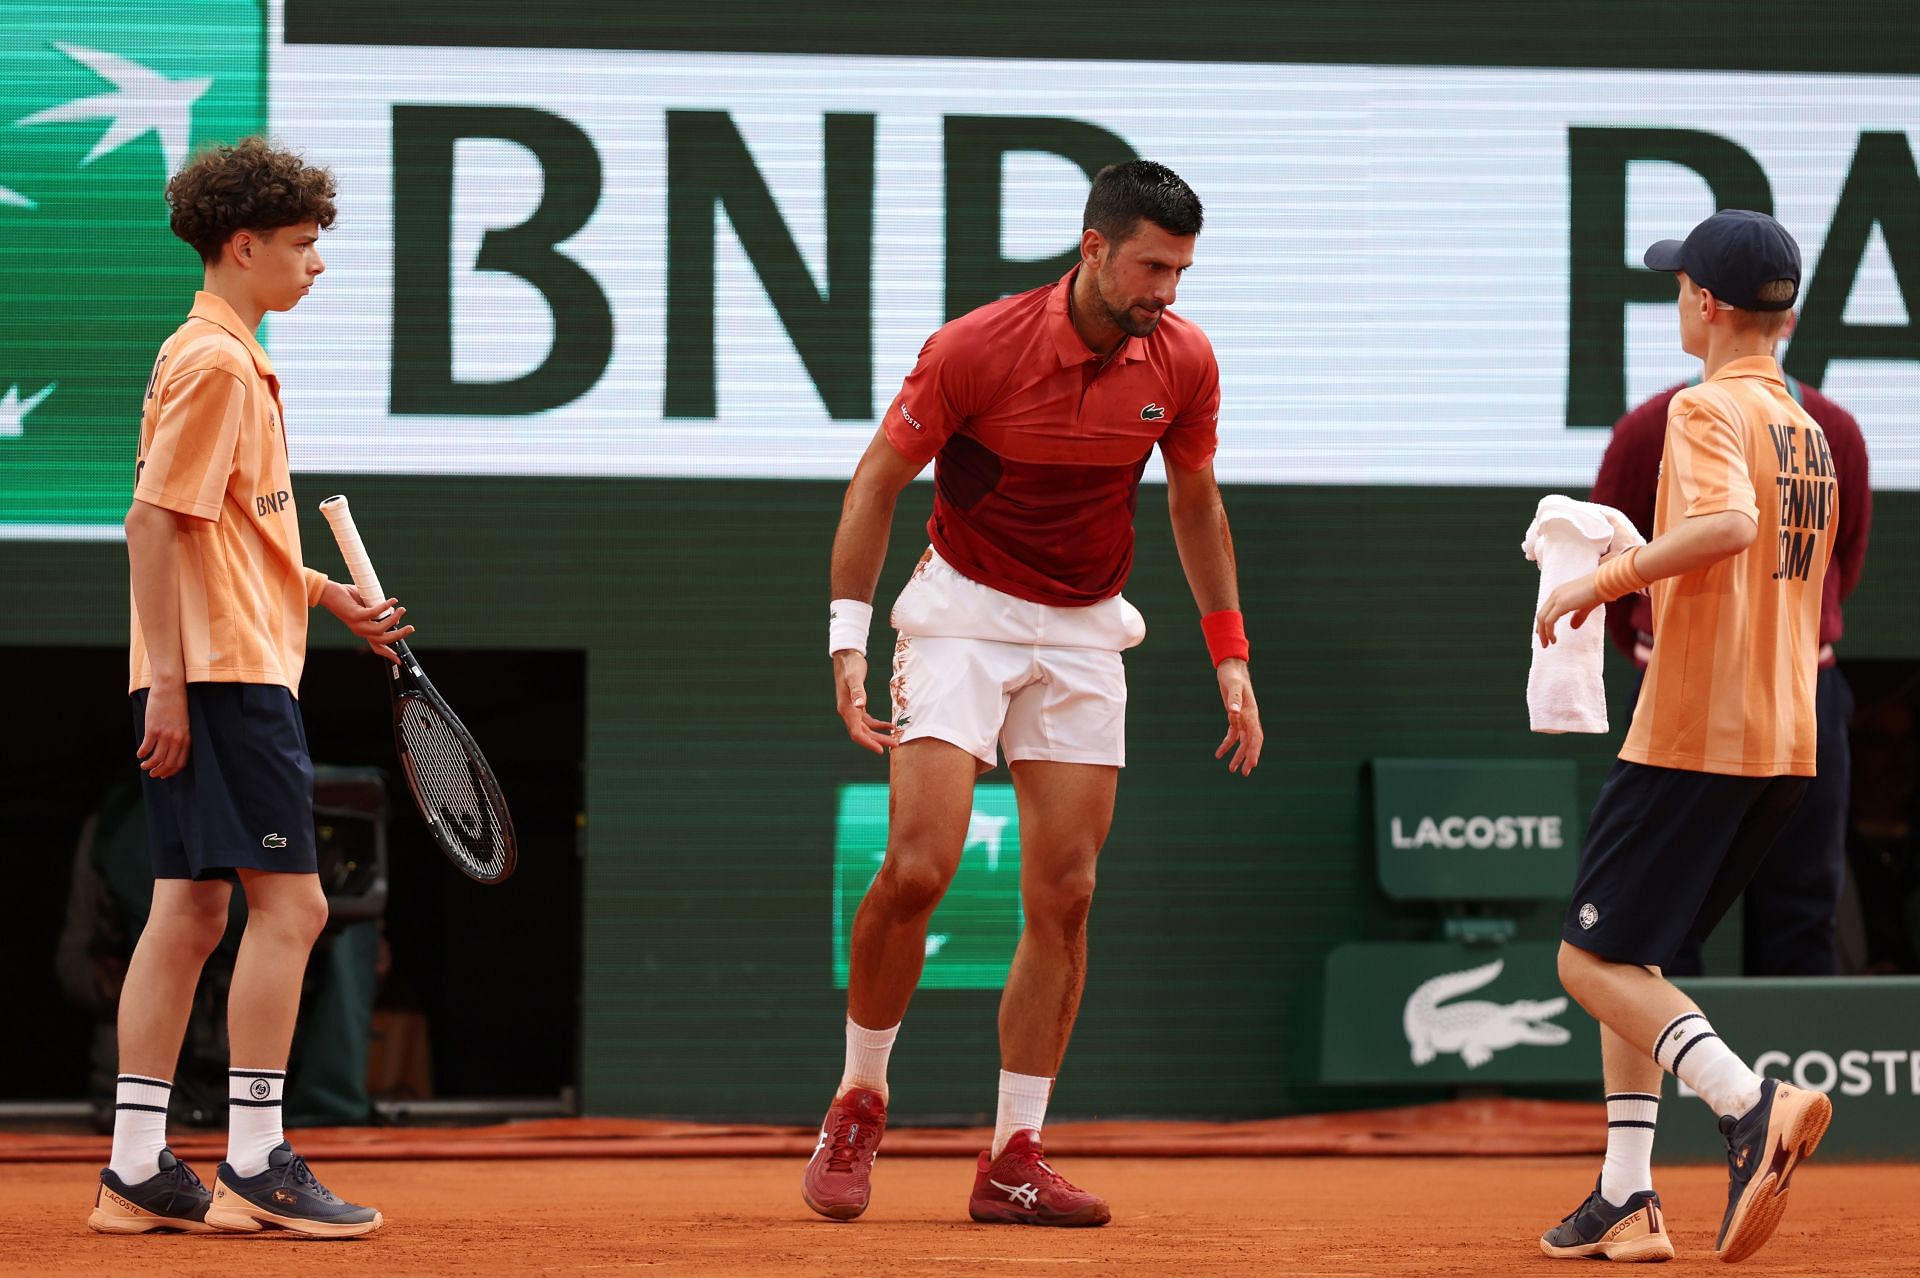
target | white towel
[{"x": 1569, "y": 539}]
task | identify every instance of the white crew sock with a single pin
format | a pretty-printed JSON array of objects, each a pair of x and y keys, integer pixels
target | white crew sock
[
  {"x": 139, "y": 1127},
  {"x": 867, "y": 1052},
  {"x": 1689, "y": 1050},
  {"x": 1629, "y": 1165},
  {"x": 1023, "y": 1107},
  {"x": 253, "y": 1118}
]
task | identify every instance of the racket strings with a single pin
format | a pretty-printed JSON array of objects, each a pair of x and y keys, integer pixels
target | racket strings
[{"x": 475, "y": 833}]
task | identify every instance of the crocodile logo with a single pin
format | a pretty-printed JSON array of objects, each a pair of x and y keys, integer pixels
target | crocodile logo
[{"x": 1476, "y": 1030}]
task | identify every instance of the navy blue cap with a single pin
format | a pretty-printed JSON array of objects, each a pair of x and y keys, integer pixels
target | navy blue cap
[{"x": 1732, "y": 255}]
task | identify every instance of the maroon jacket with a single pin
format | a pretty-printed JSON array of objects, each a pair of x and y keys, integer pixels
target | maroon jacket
[{"x": 1630, "y": 476}]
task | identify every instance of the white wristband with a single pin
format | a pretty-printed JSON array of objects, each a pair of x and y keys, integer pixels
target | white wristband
[{"x": 847, "y": 622}]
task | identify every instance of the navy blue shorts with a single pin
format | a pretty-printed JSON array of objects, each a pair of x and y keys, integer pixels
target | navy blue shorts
[
  {"x": 245, "y": 799},
  {"x": 1666, "y": 848}
]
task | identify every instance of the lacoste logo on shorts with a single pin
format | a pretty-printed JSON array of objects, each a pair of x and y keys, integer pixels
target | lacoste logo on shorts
[
  {"x": 1589, "y": 915},
  {"x": 1152, "y": 413},
  {"x": 260, "y": 1088},
  {"x": 274, "y": 841}
]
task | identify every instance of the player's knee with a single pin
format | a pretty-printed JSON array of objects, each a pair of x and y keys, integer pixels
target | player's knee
[
  {"x": 1062, "y": 900},
  {"x": 1576, "y": 965},
  {"x": 297, "y": 915},
  {"x": 191, "y": 925},
  {"x": 198, "y": 929},
  {"x": 913, "y": 885}
]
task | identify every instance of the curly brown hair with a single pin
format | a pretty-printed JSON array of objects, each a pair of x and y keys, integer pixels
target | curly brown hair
[{"x": 248, "y": 186}]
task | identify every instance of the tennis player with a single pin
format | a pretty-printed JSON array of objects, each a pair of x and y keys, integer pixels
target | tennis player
[
  {"x": 1041, "y": 410},
  {"x": 1722, "y": 744},
  {"x": 219, "y": 636}
]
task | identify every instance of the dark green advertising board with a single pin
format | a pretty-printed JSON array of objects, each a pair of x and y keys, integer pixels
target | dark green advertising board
[
  {"x": 1475, "y": 829},
  {"x": 1460, "y": 1015},
  {"x": 1452, "y": 1014}
]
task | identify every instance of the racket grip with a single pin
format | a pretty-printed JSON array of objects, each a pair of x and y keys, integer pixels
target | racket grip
[{"x": 352, "y": 549}]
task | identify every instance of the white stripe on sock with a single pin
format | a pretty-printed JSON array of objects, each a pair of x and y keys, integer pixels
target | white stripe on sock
[
  {"x": 1689, "y": 1050},
  {"x": 139, "y": 1134},
  {"x": 253, "y": 1118},
  {"x": 1629, "y": 1165}
]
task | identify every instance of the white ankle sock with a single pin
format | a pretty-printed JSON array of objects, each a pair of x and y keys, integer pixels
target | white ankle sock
[
  {"x": 1689, "y": 1050},
  {"x": 139, "y": 1127},
  {"x": 867, "y": 1052},
  {"x": 253, "y": 1118},
  {"x": 1023, "y": 1107},
  {"x": 1629, "y": 1165}
]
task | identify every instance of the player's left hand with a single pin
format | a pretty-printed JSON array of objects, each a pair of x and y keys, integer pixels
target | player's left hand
[
  {"x": 1243, "y": 717},
  {"x": 371, "y": 622},
  {"x": 1578, "y": 597}
]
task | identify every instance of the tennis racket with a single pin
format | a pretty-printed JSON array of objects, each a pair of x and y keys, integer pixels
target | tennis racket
[{"x": 452, "y": 785}]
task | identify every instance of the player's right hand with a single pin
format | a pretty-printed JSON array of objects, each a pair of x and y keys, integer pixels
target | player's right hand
[
  {"x": 850, "y": 699},
  {"x": 163, "y": 750}
]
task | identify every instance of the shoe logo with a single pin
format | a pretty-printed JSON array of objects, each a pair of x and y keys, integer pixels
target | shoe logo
[
  {"x": 1741, "y": 1161},
  {"x": 1152, "y": 413},
  {"x": 274, "y": 841},
  {"x": 286, "y": 1196},
  {"x": 260, "y": 1088},
  {"x": 1588, "y": 916},
  {"x": 1026, "y": 1195},
  {"x": 852, "y": 1132}
]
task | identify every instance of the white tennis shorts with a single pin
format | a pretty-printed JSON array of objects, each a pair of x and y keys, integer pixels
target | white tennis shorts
[{"x": 976, "y": 666}]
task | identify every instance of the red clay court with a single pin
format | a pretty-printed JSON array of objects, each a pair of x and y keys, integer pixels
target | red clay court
[{"x": 1329, "y": 1195}]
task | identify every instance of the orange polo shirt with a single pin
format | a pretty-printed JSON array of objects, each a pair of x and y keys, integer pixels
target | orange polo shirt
[
  {"x": 213, "y": 446},
  {"x": 1731, "y": 685}
]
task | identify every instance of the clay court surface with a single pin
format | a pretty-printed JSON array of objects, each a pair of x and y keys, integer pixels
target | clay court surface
[{"x": 1373, "y": 1215}]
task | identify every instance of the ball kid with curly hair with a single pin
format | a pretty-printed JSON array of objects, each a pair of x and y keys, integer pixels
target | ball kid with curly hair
[{"x": 219, "y": 637}]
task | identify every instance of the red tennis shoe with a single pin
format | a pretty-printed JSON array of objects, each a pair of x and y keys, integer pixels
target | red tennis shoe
[
  {"x": 1018, "y": 1188},
  {"x": 839, "y": 1179}
]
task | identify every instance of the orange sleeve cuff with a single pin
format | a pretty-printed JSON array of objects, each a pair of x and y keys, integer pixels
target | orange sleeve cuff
[{"x": 1619, "y": 576}]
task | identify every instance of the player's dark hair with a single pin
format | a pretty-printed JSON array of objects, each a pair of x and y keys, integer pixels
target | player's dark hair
[
  {"x": 1123, "y": 194},
  {"x": 248, "y": 186}
]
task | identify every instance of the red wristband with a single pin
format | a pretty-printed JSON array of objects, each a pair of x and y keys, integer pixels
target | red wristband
[{"x": 1226, "y": 633}]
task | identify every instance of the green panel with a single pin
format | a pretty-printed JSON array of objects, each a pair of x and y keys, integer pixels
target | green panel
[
  {"x": 1475, "y": 829},
  {"x": 1770, "y": 35},
  {"x": 972, "y": 935},
  {"x": 1856, "y": 1039},
  {"x": 715, "y": 760},
  {"x": 103, "y": 101},
  {"x": 1453, "y": 1014}
]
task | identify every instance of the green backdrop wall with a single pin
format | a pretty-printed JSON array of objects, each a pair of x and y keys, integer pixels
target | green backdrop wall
[{"x": 1384, "y": 621}]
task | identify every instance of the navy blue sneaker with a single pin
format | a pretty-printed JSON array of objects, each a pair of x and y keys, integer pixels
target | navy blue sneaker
[
  {"x": 1597, "y": 1230},
  {"x": 172, "y": 1198},
  {"x": 285, "y": 1196},
  {"x": 1763, "y": 1147}
]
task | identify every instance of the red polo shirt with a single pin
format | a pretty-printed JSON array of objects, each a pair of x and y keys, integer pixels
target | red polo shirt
[{"x": 1040, "y": 443}]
